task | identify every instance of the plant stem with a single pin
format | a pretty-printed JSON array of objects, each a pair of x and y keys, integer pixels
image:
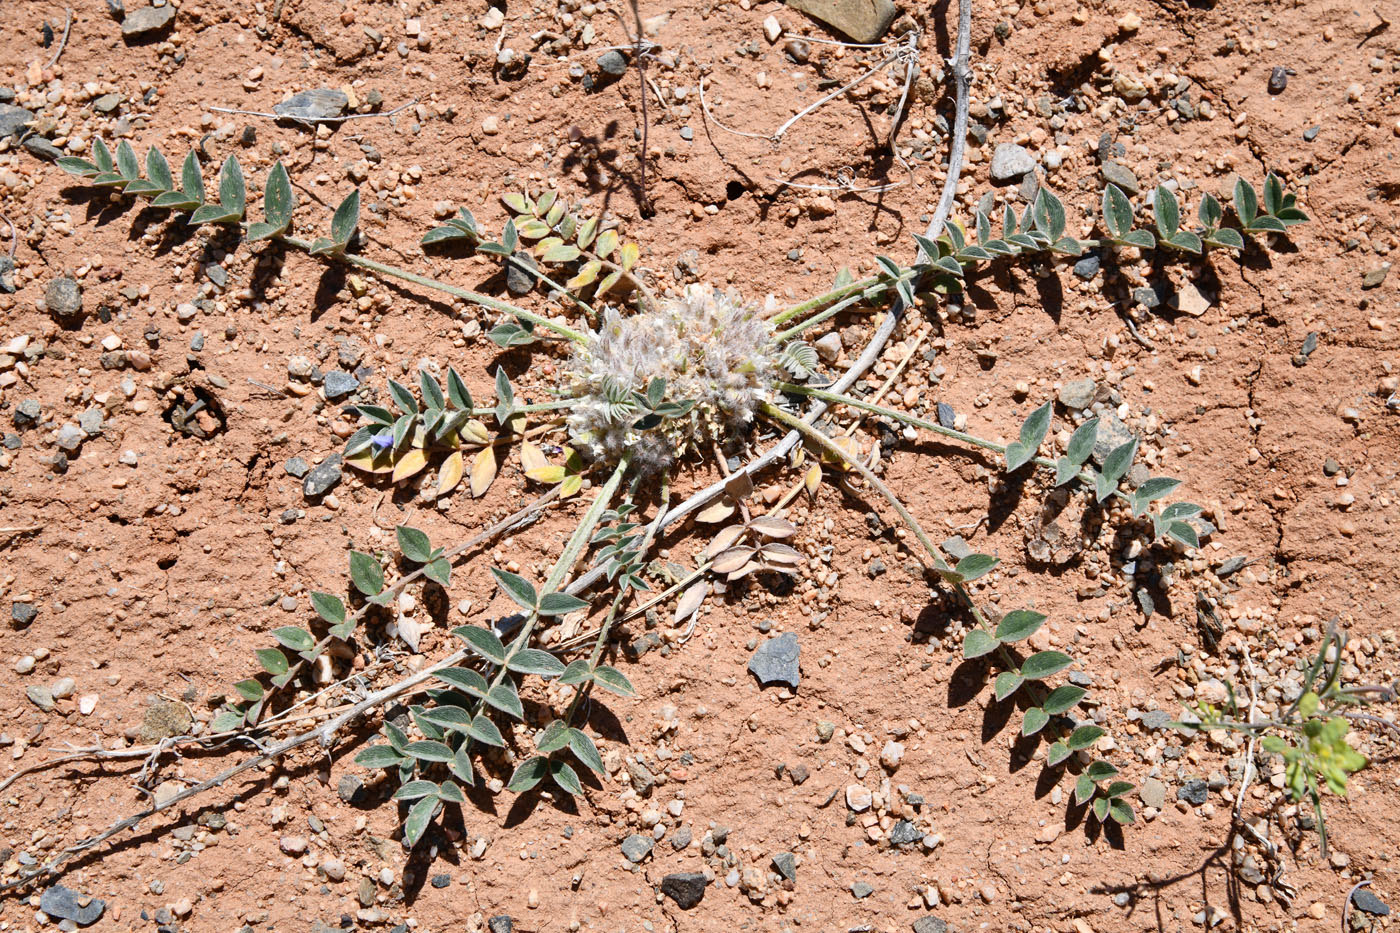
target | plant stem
[
  {"x": 485, "y": 301},
  {"x": 847, "y": 400},
  {"x": 816, "y": 319}
]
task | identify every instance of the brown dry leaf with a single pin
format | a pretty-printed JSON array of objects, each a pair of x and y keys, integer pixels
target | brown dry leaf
[
  {"x": 732, "y": 559},
  {"x": 410, "y": 463},
  {"x": 717, "y": 511},
  {"x": 728, "y": 536},
  {"x": 691, "y": 600},
  {"x": 776, "y": 553},
  {"x": 739, "y": 486},
  {"x": 531, "y": 457},
  {"x": 745, "y": 570},
  {"x": 483, "y": 471},
  {"x": 450, "y": 473},
  {"x": 771, "y": 526}
]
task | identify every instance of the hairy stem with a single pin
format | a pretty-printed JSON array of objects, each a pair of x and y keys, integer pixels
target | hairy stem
[{"x": 486, "y": 301}]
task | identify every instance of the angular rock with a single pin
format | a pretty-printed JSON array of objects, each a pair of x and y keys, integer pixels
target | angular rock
[
  {"x": 147, "y": 21},
  {"x": 612, "y": 63},
  {"x": 22, "y": 614},
  {"x": 786, "y": 865},
  {"x": 323, "y": 479},
  {"x": 1153, "y": 793},
  {"x": 70, "y": 438},
  {"x": 686, "y": 888},
  {"x": 501, "y": 924},
  {"x": 930, "y": 925},
  {"x": 40, "y": 697},
  {"x": 1078, "y": 394},
  {"x": 13, "y": 120},
  {"x": 351, "y": 789},
  {"x": 1112, "y": 434},
  {"x": 1122, "y": 176},
  {"x": 861, "y": 890},
  {"x": 322, "y": 103},
  {"x": 63, "y": 903},
  {"x": 905, "y": 832},
  {"x": 297, "y": 467},
  {"x": 165, "y": 719},
  {"x": 861, "y": 20},
  {"x": 90, "y": 422},
  {"x": 338, "y": 384},
  {"x": 1368, "y": 903},
  {"x": 64, "y": 298},
  {"x": 41, "y": 147},
  {"x": 519, "y": 281},
  {"x": 776, "y": 661},
  {"x": 1088, "y": 267},
  {"x": 636, "y": 847},
  {"x": 1010, "y": 162},
  {"x": 1194, "y": 792}
]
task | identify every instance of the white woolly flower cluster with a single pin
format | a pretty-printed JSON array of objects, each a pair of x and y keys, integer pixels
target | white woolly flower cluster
[{"x": 711, "y": 351}]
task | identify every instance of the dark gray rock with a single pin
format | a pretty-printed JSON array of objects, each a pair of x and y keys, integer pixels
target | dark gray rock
[
  {"x": 7, "y": 271},
  {"x": 636, "y": 847},
  {"x": 64, "y": 298},
  {"x": 320, "y": 103},
  {"x": 612, "y": 63},
  {"x": 519, "y": 281},
  {"x": 861, "y": 20},
  {"x": 501, "y": 924},
  {"x": 930, "y": 925},
  {"x": 41, "y": 147},
  {"x": 339, "y": 384},
  {"x": 860, "y": 890},
  {"x": 147, "y": 21},
  {"x": 22, "y": 614},
  {"x": 686, "y": 888},
  {"x": 1155, "y": 719},
  {"x": 441, "y": 881},
  {"x": 776, "y": 661},
  {"x": 91, "y": 422},
  {"x": 1278, "y": 79},
  {"x": 947, "y": 417},
  {"x": 13, "y": 120},
  {"x": 65, "y": 904},
  {"x": 351, "y": 788},
  {"x": 1010, "y": 162},
  {"x": 1088, "y": 267},
  {"x": 297, "y": 467},
  {"x": 322, "y": 479},
  {"x": 1194, "y": 792},
  {"x": 1112, "y": 434},
  {"x": 904, "y": 832},
  {"x": 1368, "y": 903},
  {"x": 785, "y": 863},
  {"x": 1310, "y": 133},
  {"x": 1122, "y": 176}
]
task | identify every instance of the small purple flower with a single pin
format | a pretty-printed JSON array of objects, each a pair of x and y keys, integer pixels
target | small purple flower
[{"x": 382, "y": 441}]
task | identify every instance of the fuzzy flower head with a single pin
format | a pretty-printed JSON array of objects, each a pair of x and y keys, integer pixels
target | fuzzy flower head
[{"x": 714, "y": 354}]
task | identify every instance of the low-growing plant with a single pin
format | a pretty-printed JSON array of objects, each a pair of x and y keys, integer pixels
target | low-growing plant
[{"x": 652, "y": 387}]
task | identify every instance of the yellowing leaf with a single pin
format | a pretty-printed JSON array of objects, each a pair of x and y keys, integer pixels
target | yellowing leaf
[
  {"x": 571, "y": 485},
  {"x": 474, "y": 432},
  {"x": 586, "y": 276},
  {"x": 813, "y": 480},
  {"x": 371, "y": 460},
  {"x": 607, "y": 242},
  {"x": 531, "y": 457},
  {"x": 606, "y": 285},
  {"x": 413, "y": 460},
  {"x": 549, "y": 475},
  {"x": 483, "y": 471},
  {"x": 630, "y": 254},
  {"x": 450, "y": 473}
]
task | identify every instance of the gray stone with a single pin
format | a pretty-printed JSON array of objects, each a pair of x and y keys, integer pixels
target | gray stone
[
  {"x": 904, "y": 832},
  {"x": 776, "y": 661},
  {"x": 91, "y": 422},
  {"x": 861, "y": 20},
  {"x": 320, "y": 103},
  {"x": 65, "y": 904},
  {"x": 1372, "y": 278},
  {"x": 1010, "y": 162},
  {"x": 687, "y": 133},
  {"x": 612, "y": 63},
  {"x": 1147, "y": 297},
  {"x": 930, "y": 925},
  {"x": 64, "y": 298},
  {"x": 518, "y": 280},
  {"x": 147, "y": 21},
  {"x": 1155, "y": 719},
  {"x": 7, "y": 269},
  {"x": 1153, "y": 793},
  {"x": 1088, "y": 267},
  {"x": 1195, "y": 792},
  {"x": 1368, "y": 903},
  {"x": 107, "y": 103},
  {"x": 1278, "y": 79},
  {"x": 642, "y": 778},
  {"x": 947, "y": 417},
  {"x": 338, "y": 384},
  {"x": 500, "y": 924},
  {"x": 13, "y": 120},
  {"x": 351, "y": 788},
  {"x": 1120, "y": 175},
  {"x": 1310, "y": 133},
  {"x": 1078, "y": 394},
  {"x": 40, "y": 697},
  {"x": 636, "y": 847},
  {"x": 686, "y": 888},
  {"x": 297, "y": 467},
  {"x": 682, "y": 838},
  {"x": 1112, "y": 434},
  {"x": 165, "y": 719},
  {"x": 860, "y": 890},
  {"x": 442, "y": 880},
  {"x": 41, "y": 147},
  {"x": 786, "y": 865},
  {"x": 323, "y": 479},
  {"x": 70, "y": 438},
  {"x": 22, "y": 614}
]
